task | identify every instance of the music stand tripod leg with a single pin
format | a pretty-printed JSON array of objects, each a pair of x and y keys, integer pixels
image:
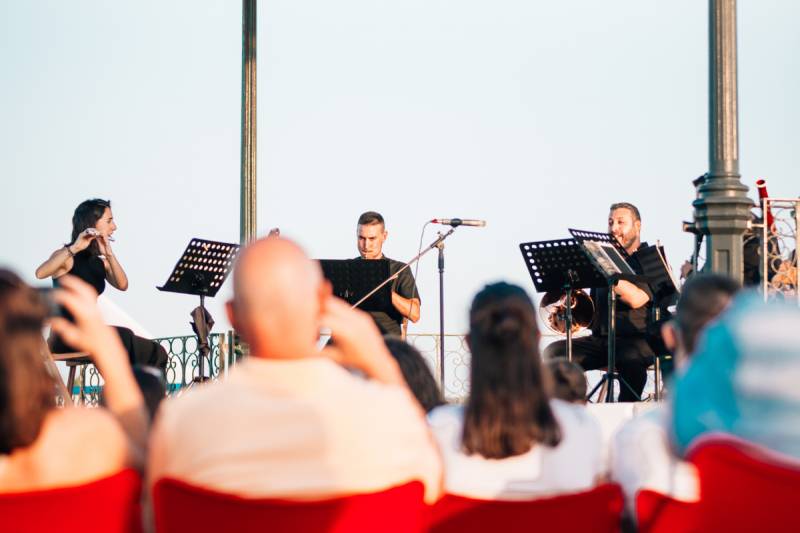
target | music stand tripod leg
[
  {"x": 569, "y": 288},
  {"x": 612, "y": 339},
  {"x": 568, "y": 320},
  {"x": 597, "y": 387},
  {"x": 203, "y": 341},
  {"x": 611, "y": 371}
]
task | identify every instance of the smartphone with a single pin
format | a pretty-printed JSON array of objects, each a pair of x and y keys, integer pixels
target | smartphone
[{"x": 53, "y": 309}]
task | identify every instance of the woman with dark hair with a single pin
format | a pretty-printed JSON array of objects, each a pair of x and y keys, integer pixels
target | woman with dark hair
[
  {"x": 42, "y": 446},
  {"x": 416, "y": 373},
  {"x": 510, "y": 440},
  {"x": 89, "y": 256}
]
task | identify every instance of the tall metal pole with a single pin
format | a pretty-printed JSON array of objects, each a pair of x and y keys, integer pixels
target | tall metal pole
[
  {"x": 247, "y": 224},
  {"x": 722, "y": 209}
]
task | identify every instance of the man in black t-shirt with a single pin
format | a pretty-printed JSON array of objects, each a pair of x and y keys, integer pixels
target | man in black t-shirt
[
  {"x": 371, "y": 232},
  {"x": 633, "y": 353}
]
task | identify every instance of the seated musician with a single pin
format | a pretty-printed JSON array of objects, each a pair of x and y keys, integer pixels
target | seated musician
[
  {"x": 372, "y": 234},
  {"x": 633, "y": 353}
]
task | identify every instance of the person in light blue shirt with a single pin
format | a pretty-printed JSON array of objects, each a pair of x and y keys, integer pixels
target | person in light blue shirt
[{"x": 744, "y": 379}]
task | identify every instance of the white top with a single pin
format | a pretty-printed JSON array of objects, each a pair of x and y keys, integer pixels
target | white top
[
  {"x": 299, "y": 429},
  {"x": 641, "y": 458},
  {"x": 572, "y": 466}
]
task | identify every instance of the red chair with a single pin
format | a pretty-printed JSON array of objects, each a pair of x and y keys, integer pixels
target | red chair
[
  {"x": 659, "y": 513},
  {"x": 598, "y": 510},
  {"x": 182, "y": 507},
  {"x": 744, "y": 487},
  {"x": 109, "y": 505}
]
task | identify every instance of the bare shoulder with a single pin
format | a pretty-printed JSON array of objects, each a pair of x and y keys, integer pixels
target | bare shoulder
[{"x": 92, "y": 438}]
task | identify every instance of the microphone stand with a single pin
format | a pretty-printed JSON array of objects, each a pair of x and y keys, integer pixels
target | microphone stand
[
  {"x": 440, "y": 246},
  {"x": 438, "y": 243}
]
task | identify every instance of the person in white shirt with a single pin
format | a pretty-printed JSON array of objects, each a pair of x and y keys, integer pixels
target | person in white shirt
[
  {"x": 642, "y": 456},
  {"x": 290, "y": 422},
  {"x": 510, "y": 441}
]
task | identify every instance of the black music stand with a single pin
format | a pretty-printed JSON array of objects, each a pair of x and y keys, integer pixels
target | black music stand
[
  {"x": 202, "y": 269},
  {"x": 561, "y": 265},
  {"x": 353, "y": 279},
  {"x": 614, "y": 266},
  {"x": 438, "y": 243}
]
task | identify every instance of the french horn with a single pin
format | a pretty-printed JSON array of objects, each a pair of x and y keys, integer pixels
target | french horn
[{"x": 552, "y": 310}]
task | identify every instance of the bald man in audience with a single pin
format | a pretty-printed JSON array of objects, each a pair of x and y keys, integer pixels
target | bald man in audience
[{"x": 290, "y": 421}]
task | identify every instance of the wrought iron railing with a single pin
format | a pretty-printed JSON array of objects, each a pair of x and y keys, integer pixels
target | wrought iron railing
[
  {"x": 183, "y": 362},
  {"x": 779, "y": 258},
  {"x": 182, "y": 365},
  {"x": 455, "y": 385}
]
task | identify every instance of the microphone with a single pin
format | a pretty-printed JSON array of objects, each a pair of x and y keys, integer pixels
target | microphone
[{"x": 455, "y": 222}]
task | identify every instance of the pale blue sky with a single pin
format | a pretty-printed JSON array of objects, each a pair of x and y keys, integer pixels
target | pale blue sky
[{"x": 534, "y": 115}]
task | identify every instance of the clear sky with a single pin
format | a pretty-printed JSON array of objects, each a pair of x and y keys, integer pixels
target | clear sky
[{"x": 533, "y": 115}]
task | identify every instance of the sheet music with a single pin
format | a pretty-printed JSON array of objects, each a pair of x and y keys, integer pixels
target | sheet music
[
  {"x": 667, "y": 267},
  {"x": 607, "y": 259}
]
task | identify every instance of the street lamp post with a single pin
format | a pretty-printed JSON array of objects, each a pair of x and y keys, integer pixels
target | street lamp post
[
  {"x": 722, "y": 209},
  {"x": 248, "y": 203}
]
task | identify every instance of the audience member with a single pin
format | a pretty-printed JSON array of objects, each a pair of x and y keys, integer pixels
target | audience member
[
  {"x": 567, "y": 380},
  {"x": 642, "y": 457},
  {"x": 416, "y": 373},
  {"x": 743, "y": 378},
  {"x": 510, "y": 441},
  {"x": 43, "y": 446},
  {"x": 289, "y": 421}
]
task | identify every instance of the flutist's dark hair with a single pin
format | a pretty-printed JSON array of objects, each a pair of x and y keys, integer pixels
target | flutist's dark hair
[
  {"x": 630, "y": 207},
  {"x": 508, "y": 409},
  {"x": 371, "y": 217},
  {"x": 86, "y": 216}
]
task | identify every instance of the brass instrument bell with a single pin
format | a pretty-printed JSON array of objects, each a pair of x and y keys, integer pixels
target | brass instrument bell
[{"x": 552, "y": 310}]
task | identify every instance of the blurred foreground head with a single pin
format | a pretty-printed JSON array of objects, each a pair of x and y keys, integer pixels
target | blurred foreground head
[
  {"x": 27, "y": 392},
  {"x": 416, "y": 373},
  {"x": 278, "y": 295},
  {"x": 568, "y": 380},
  {"x": 508, "y": 409},
  {"x": 743, "y": 377},
  {"x": 703, "y": 297}
]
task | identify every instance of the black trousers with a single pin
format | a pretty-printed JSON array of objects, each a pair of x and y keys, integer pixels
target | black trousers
[
  {"x": 633, "y": 357},
  {"x": 141, "y": 351}
]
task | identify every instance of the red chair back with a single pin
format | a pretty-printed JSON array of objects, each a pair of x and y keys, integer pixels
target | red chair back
[
  {"x": 659, "y": 513},
  {"x": 182, "y": 507},
  {"x": 597, "y": 510},
  {"x": 109, "y": 505},
  {"x": 744, "y": 487}
]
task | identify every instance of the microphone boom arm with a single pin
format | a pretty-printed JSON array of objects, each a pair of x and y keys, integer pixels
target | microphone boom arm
[{"x": 416, "y": 258}]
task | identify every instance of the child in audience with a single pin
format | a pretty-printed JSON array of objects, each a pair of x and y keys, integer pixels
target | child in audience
[
  {"x": 510, "y": 441},
  {"x": 416, "y": 373},
  {"x": 568, "y": 380}
]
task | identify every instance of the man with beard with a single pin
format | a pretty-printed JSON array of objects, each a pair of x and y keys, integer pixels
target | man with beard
[{"x": 633, "y": 354}]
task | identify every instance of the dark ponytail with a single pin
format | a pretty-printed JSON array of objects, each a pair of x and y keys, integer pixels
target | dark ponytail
[{"x": 508, "y": 409}]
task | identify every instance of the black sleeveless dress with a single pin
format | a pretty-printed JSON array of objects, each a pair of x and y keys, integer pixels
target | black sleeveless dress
[{"x": 141, "y": 351}]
